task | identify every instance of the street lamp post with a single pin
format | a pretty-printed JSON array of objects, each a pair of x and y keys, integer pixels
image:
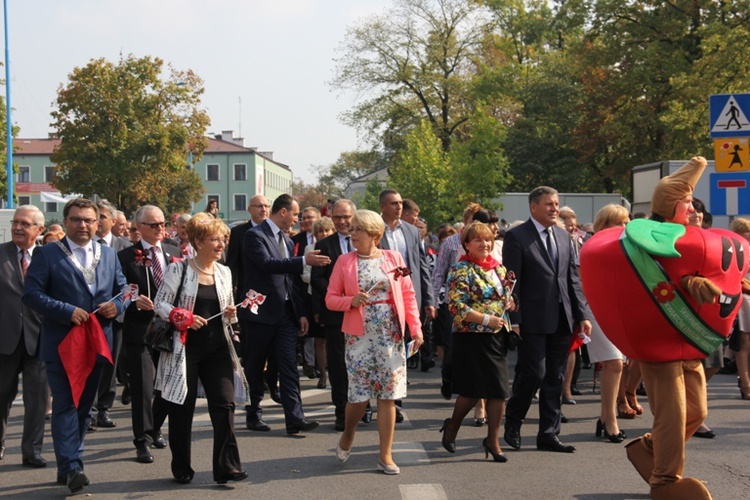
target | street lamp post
[{"x": 9, "y": 129}]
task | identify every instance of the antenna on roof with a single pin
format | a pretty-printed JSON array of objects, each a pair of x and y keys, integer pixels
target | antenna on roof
[{"x": 239, "y": 99}]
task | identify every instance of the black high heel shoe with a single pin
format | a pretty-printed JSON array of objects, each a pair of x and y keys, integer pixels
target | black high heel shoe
[
  {"x": 497, "y": 457},
  {"x": 601, "y": 429},
  {"x": 450, "y": 446}
]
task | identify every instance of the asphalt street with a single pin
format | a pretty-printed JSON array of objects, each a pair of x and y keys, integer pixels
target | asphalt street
[{"x": 301, "y": 467}]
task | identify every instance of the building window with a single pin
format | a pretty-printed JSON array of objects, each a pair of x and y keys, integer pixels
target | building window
[
  {"x": 24, "y": 200},
  {"x": 50, "y": 206},
  {"x": 24, "y": 174},
  {"x": 240, "y": 202},
  {"x": 212, "y": 172},
  {"x": 49, "y": 174},
  {"x": 240, "y": 172}
]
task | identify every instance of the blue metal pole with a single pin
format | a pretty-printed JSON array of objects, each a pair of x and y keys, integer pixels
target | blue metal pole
[{"x": 9, "y": 129}]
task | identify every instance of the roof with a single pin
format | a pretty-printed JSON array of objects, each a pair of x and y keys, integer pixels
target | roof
[{"x": 47, "y": 146}]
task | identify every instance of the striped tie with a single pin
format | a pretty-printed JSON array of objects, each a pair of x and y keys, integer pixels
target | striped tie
[{"x": 156, "y": 268}]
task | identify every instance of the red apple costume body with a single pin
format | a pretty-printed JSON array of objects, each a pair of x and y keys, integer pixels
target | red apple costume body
[{"x": 667, "y": 295}]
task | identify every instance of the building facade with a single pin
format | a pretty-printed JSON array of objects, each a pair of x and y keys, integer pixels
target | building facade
[{"x": 231, "y": 174}]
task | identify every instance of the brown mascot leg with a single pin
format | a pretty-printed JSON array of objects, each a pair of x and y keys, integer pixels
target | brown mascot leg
[{"x": 641, "y": 455}]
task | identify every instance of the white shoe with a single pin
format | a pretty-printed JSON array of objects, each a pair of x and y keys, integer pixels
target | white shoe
[
  {"x": 342, "y": 454},
  {"x": 391, "y": 470}
]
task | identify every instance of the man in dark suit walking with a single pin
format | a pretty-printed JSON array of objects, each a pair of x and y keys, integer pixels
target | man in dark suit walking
[
  {"x": 19, "y": 337},
  {"x": 108, "y": 385},
  {"x": 144, "y": 264},
  {"x": 300, "y": 241},
  {"x": 258, "y": 209},
  {"x": 280, "y": 316},
  {"x": 551, "y": 302},
  {"x": 66, "y": 281},
  {"x": 334, "y": 246}
]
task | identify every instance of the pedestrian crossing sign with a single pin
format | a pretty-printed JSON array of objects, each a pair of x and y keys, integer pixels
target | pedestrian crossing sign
[
  {"x": 732, "y": 154},
  {"x": 729, "y": 115}
]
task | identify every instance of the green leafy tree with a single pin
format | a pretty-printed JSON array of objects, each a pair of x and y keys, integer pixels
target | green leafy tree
[
  {"x": 369, "y": 200},
  {"x": 333, "y": 180},
  {"x": 126, "y": 133}
]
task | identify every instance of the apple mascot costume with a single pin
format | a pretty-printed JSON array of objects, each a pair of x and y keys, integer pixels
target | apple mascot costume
[{"x": 666, "y": 295}]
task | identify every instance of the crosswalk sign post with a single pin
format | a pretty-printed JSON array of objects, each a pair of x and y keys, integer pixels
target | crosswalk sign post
[{"x": 728, "y": 115}]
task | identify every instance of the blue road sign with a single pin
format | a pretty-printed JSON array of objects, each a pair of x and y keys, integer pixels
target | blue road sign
[
  {"x": 730, "y": 193},
  {"x": 728, "y": 115}
]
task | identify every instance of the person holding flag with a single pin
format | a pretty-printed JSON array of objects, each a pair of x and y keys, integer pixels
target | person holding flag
[{"x": 64, "y": 283}]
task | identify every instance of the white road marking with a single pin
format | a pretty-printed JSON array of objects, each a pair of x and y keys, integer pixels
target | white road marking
[{"x": 427, "y": 491}]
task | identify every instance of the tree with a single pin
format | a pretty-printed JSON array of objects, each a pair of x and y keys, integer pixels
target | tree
[
  {"x": 126, "y": 133},
  {"x": 333, "y": 180},
  {"x": 415, "y": 63}
]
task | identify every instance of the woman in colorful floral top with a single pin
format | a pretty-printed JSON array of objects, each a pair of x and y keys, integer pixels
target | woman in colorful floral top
[{"x": 480, "y": 297}]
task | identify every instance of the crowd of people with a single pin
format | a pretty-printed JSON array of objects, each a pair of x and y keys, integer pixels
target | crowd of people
[{"x": 354, "y": 296}]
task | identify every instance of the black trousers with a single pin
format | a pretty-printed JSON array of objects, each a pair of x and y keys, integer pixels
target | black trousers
[
  {"x": 337, "y": 376},
  {"x": 148, "y": 409},
  {"x": 214, "y": 369},
  {"x": 108, "y": 384},
  {"x": 541, "y": 365}
]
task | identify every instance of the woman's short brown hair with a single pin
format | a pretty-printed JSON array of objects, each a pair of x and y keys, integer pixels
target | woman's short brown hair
[
  {"x": 325, "y": 223},
  {"x": 477, "y": 229},
  {"x": 740, "y": 225},
  {"x": 202, "y": 225}
]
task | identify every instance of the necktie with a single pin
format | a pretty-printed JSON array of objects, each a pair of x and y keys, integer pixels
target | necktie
[
  {"x": 156, "y": 268},
  {"x": 81, "y": 252},
  {"x": 348, "y": 243},
  {"x": 282, "y": 245},
  {"x": 24, "y": 264},
  {"x": 551, "y": 248},
  {"x": 103, "y": 242}
]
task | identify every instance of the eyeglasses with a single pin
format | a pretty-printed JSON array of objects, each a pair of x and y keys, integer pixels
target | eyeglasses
[
  {"x": 261, "y": 206},
  {"x": 78, "y": 220},
  {"x": 357, "y": 230},
  {"x": 154, "y": 225},
  {"x": 341, "y": 217},
  {"x": 25, "y": 225}
]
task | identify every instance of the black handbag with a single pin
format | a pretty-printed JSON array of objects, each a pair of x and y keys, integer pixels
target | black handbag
[{"x": 160, "y": 333}]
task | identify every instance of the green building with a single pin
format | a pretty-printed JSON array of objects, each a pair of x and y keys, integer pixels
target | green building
[{"x": 231, "y": 174}]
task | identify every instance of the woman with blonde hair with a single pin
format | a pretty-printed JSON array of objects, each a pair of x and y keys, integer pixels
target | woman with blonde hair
[
  {"x": 742, "y": 227},
  {"x": 373, "y": 289},
  {"x": 203, "y": 349},
  {"x": 601, "y": 350}
]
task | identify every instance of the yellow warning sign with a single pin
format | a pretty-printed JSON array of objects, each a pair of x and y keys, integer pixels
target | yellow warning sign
[{"x": 732, "y": 155}]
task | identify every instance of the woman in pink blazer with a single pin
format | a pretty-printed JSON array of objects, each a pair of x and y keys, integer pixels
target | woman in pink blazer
[{"x": 373, "y": 289}]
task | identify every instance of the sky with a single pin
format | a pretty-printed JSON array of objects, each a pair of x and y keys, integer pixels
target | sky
[{"x": 266, "y": 64}]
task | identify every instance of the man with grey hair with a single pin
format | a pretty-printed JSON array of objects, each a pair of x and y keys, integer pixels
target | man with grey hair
[
  {"x": 108, "y": 383},
  {"x": 144, "y": 264},
  {"x": 19, "y": 338},
  {"x": 182, "y": 238},
  {"x": 334, "y": 246},
  {"x": 120, "y": 227}
]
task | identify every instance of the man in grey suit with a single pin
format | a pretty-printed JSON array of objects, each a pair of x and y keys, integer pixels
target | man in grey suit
[
  {"x": 108, "y": 384},
  {"x": 404, "y": 238},
  {"x": 551, "y": 303},
  {"x": 19, "y": 338}
]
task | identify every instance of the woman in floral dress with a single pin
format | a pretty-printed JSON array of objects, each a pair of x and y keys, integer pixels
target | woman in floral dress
[
  {"x": 479, "y": 296},
  {"x": 373, "y": 289}
]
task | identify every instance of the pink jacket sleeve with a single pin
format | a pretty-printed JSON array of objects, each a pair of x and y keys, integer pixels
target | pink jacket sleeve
[{"x": 336, "y": 298}]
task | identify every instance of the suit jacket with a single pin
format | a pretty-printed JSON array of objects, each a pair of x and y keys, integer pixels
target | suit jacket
[
  {"x": 299, "y": 241},
  {"x": 119, "y": 242},
  {"x": 54, "y": 287},
  {"x": 135, "y": 322},
  {"x": 319, "y": 278},
  {"x": 344, "y": 285},
  {"x": 15, "y": 318},
  {"x": 418, "y": 264},
  {"x": 234, "y": 259},
  {"x": 539, "y": 288},
  {"x": 268, "y": 273}
]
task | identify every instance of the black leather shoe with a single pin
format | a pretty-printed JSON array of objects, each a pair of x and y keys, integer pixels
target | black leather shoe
[
  {"x": 159, "y": 442},
  {"x": 257, "y": 425},
  {"x": 564, "y": 419},
  {"x": 426, "y": 366},
  {"x": 367, "y": 417},
  {"x": 36, "y": 462},
  {"x": 275, "y": 395},
  {"x": 64, "y": 480},
  {"x": 340, "y": 424},
  {"x": 125, "y": 396},
  {"x": 575, "y": 391},
  {"x": 103, "y": 420},
  {"x": 76, "y": 480},
  {"x": 303, "y": 425},
  {"x": 512, "y": 436},
  {"x": 554, "y": 444},
  {"x": 185, "y": 479},
  {"x": 91, "y": 428},
  {"x": 399, "y": 415},
  {"x": 143, "y": 454},
  {"x": 232, "y": 476}
]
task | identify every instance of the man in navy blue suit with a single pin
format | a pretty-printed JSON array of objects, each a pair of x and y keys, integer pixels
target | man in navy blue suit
[
  {"x": 540, "y": 253},
  {"x": 277, "y": 319},
  {"x": 64, "y": 283}
]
